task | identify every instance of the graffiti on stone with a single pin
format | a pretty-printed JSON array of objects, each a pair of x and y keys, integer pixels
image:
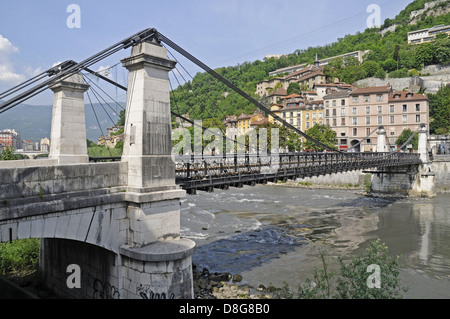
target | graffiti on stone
[
  {"x": 105, "y": 291},
  {"x": 146, "y": 293}
]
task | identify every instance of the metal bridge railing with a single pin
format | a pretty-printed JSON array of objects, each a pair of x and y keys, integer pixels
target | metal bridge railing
[{"x": 199, "y": 167}]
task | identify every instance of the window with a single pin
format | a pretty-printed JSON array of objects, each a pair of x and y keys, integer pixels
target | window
[
  {"x": 354, "y": 111},
  {"x": 343, "y": 111},
  {"x": 405, "y": 119},
  {"x": 417, "y": 107},
  {"x": 379, "y": 97},
  {"x": 307, "y": 125},
  {"x": 369, "y": 141},
  {"x": 343, "y": 121},
  {"x": 298, "y": 114},
  {"x": 355, "y": 132},
  {"x": 405, "y": 108},
  {"x": 342, "y": 102},
  {"x": 366, "y": 98},
  {"x": 292, "y": 121},
  {"x": 417, "y": 118},
  {"x": 314, "y": 116},
  {"x": 327, "y": 103},
  {"x": 327, "y": 113},
  {"x": 334, "y": 112},
  {"x": 334, "y": 122},
  {"x": 391, "y": 108},
  {"x": 355, "y": 99},
  {"x": 355, "y": 121},
  {"x": 334, "y": 102},
  {"x": 292, "y": 114},
  {"x": 307, "y": 116},
  {"x": 320, "y": 115},
  {"x": 343, "y": 141},
  {"x": 368, "y": 110},
  {"x": 368, "y": 120},
  {"x": 328, "y": 122},
  {"x": 380, "y": 109},
  {"x": 391, "y": 119},
  {"x": 380, "y": 120}
]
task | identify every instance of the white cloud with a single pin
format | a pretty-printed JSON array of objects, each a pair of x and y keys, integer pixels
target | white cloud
[
  {"x": 6, "y": 47},
  {"x": 8, "y": 75}
]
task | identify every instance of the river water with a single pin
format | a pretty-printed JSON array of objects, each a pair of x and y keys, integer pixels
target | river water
[{"x": 273, "y": 234}]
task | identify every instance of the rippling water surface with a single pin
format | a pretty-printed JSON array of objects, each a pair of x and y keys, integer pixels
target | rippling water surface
[{"x": 271, "y": 234}]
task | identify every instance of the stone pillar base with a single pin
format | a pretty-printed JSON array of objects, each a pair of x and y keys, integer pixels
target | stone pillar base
[{"x": 161, "y": 270}]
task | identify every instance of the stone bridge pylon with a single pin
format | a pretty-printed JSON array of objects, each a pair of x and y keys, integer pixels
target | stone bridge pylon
[{"x": 118, "y": 221}]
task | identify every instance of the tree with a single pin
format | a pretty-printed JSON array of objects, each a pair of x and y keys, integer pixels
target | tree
[
  {"x": 324, "y": 134},
  {"x": 293, "y": 88},
  {"x": 442, "y": 51},
  {"x": 381, "y": 74},
  {"x": 406, "y": 134},
  {"x": 424, "y": 54},
  {"x": 8, "y": 154},
  {"x": 390, "y": 65},
  {"x": 370, "y": 68},
  {"x": 440, "y": 111}
]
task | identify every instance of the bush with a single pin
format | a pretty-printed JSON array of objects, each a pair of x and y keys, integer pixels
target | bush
[
  {"x": 400, "y": 73},
  {"x": 367, "y": 183},
  {"x": 20, "y": 255},
  {"x": 354, "y": 281}
]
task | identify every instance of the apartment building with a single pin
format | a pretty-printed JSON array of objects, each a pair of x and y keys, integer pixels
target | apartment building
[
  {"x": 313, "y": 113},
  {"x": 45, "y": 145},
  {"x": 244, "y": 121},
  {"x": 372, "y": 107},
  {"x": 427, "y": 35},
  {"x": 337, "y": 115},
  {"x": 306, "y": 76},
  {"x": 11, "y": 138}
]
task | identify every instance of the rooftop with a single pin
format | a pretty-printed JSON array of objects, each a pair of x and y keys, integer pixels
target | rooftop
[
  {"x": 406, "y": 96},
  {"x": 372, "y": 90}
]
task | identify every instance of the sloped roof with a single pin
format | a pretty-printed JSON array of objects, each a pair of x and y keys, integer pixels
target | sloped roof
[
  {"x": 372, "y": 90},
  {"x": 406, "y": 96}
]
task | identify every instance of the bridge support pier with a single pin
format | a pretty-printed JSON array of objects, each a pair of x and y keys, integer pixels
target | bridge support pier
[
  {"x": 68, "y": 132},
  {"x": 410, "y": 180},
  {"x": 155, "y": 257}
]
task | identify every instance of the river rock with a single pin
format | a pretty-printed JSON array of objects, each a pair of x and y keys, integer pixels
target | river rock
[{"x": 237, "y": 278}]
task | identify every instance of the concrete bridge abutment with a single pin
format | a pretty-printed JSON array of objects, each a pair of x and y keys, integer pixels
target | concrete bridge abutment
[{"x": 408, "y": 180}]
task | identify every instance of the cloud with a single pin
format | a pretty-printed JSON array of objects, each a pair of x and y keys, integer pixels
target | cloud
[
  {"x": 6, "y": 47},
  {"x": 8, "y": 75}
]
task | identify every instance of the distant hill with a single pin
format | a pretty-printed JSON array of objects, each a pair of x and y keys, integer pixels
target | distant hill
[{"x": 34, "y": 121}]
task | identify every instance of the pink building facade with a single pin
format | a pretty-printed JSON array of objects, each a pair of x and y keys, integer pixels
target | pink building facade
[{"x": 370, "y": 108}]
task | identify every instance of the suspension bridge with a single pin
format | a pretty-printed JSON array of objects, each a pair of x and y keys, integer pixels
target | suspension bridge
[{"x": 118, "y": 217}]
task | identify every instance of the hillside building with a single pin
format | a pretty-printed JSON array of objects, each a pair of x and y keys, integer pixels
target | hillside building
[{"x": 427, "y": 35}]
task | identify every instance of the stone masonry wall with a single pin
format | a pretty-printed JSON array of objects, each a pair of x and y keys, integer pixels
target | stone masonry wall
[
  {"x": 26, "y": 182},
  {"x": 98, "y": 269}
]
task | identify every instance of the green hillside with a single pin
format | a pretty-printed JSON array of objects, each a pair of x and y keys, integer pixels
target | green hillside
[{"x": 204, "y": 97}]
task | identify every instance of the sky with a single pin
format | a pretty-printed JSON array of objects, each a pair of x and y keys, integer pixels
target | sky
[{"x": 34, "y": 35}]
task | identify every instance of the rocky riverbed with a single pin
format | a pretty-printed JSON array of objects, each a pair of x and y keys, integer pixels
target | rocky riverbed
[{"x": 224, "y": 285}]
